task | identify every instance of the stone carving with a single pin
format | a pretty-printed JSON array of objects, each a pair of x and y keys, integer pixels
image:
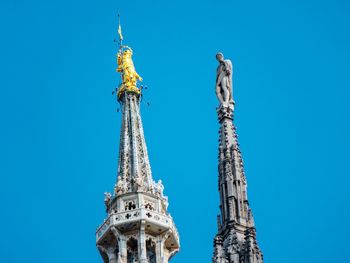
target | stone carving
[
  {"x": 139, "y": 181},
  {"x": 219, "y": 252},
  {"x": 251, "y": 252},
  {"x": 149, "y": 206},
  {"x": 236, "y": 224},
  {"x": 159, "y": 191},
  {"x": 139, "y": 202},
  {"x": 224, "y": 80},
  {"x": 133, "y": 163},
  {"x": 250, "y": 218},
  {"x": 121, "y": 186},
  {"x": 159, "y": 188},
  {"x": 110, "y": 252},
  {"x": 232, "y": 247},
  {"x": 129, "y": 205},
  {"x": 108, "y": 200}
]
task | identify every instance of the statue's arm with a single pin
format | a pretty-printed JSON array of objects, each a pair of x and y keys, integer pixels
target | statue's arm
[{"x": 228, "y": 66}]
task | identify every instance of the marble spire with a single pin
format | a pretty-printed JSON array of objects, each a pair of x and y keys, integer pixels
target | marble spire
[
  {"x": 134, "y": 170},
  {"x": 138, "y": 227},
  {"x": 235, "y": 241}
]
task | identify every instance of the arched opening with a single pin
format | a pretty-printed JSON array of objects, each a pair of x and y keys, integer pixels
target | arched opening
[
  {"x": 132, "y": 250},
  {"x": 151, "y": 251}
]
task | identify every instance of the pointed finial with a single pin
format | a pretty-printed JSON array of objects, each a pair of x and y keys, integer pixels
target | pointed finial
[
  {"x": 120, "y": 32},
  {"x": 129, "y": 76}
]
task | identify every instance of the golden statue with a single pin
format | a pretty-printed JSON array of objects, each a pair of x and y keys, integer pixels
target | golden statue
[{"x": 128, "y": 72}]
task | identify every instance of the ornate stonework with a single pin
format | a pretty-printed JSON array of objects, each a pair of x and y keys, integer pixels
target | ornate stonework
[
  {"x": 138, "y": 228},
  {"x": 236, "y": 238}
]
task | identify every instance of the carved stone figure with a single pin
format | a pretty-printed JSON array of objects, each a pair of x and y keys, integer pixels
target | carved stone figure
[
  {"x": 139, "y": 181},
  {"x": 108, "y": 200},
  {"x": 120, "y": 187},
  {"x": 223, "y": 86},
  {"x": 137, "y": 218},
  {"x": 159, "y": 188},
  {"x": 236, "y": 237},
  {"x": 159, "y": 191}
]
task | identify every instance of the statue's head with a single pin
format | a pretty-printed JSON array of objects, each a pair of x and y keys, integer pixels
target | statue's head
[
  {"x": 220, "y": 57},
  {"x": 127, "y": 53}
]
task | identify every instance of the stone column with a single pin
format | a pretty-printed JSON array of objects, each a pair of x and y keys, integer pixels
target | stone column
[
  {"x": 112, "y": 258},
  {"x": 225, "y": 208},
  {"x": 160, "y": 249},
  {"x": 238, "y": 189},
  {"x": 231, "y": 208},
  {"x": 142, "y": 243},
  {"x": 110, "y": 252},
  {"x": 165, "y": 258},
  {"x": 122, "y": 254},
  {"x": 123, "y": 249}
]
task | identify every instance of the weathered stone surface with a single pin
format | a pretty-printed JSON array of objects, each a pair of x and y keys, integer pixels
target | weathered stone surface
[
  {"x": 138, "y": 227},
  {"x": 236, "y": 238}
]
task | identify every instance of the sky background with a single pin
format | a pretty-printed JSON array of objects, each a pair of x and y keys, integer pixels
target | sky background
[{"x": 60, "y": 126}]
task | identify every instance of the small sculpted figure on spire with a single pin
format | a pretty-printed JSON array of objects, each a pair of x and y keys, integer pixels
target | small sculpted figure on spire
[
  {"x": 138, "y": 227},
  {"x": 235, "y": 241},
  {"x": 126, "y": 67},
  {"x": 223, "y": 86}
]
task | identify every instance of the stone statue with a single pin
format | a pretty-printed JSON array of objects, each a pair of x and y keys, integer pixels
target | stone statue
[
  {"x": 159, "y": 191},
  {"x": 223, "y": 86},
  {"x": 108, "y": 200},
  {"x": 120, "y": 187},
  {"x": 159, "y": 187},
  {"x": 139, "y": 181}
]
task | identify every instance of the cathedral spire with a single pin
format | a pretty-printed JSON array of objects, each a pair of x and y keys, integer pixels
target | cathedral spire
[
  {"x": 236, "y": 239},
  {"x": 138, "y": 227},
  {"x": 134, "y": 171}
]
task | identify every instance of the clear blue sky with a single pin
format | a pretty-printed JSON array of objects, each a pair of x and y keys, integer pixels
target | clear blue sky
[{"x": 60, "y": 127}]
